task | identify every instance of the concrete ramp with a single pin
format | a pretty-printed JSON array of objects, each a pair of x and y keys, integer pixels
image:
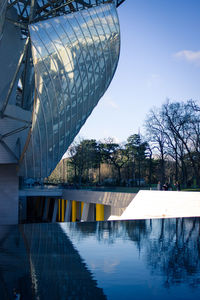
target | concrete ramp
[{"x": 162, "y": 204}]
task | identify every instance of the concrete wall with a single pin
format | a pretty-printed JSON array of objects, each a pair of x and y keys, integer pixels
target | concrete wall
[
  {"x": 115, "y": 203},
  {"x": 162, "y": 204},
  {"x": 113, "y": 199},
  {"x": 8, "y": 194}
]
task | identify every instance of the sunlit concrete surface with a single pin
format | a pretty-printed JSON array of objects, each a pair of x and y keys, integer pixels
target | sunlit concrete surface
[
  {"x": 162, "y": 204},
  {"x": 114, "y": 199}
]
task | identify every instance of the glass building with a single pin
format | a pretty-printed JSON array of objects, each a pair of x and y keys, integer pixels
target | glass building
[{"x": 67, "y": 54}]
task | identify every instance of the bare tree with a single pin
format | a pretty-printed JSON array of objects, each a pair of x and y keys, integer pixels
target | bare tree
[
  {"x": 183, "y": 123},
  {"x": 155, "y": 131}
]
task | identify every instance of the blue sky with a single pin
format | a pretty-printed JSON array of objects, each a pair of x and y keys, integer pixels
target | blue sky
[{"x": 160, "y": 59}]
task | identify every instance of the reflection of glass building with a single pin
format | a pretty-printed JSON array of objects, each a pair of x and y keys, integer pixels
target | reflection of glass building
[
  {"x": 46, "y": 265},
  {"x": 63, "y": 55},
  {"x": 137, "y": 259}
]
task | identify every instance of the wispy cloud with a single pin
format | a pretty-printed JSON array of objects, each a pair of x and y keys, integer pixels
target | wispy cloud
[
  {"x": 113, "y": 104},
  {"x": 189, "y": 56},
  {"x": 153, "y": 80},
  {"x": 107, "y": 266},
  {"x": 109, "y": 102}
]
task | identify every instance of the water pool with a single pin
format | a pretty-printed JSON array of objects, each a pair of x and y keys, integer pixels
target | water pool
[{"x": 138, "y": 259}]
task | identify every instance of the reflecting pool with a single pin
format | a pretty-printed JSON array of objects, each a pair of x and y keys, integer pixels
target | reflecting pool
[{"x": 138, "y": 259}]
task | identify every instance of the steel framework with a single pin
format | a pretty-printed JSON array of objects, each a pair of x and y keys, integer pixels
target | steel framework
[{"x": 17, "y": 118}]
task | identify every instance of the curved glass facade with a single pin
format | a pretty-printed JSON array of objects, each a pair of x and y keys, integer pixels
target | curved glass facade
[
  {"x": 75, "y": 57},
  {"x": 3, "y": 5}
]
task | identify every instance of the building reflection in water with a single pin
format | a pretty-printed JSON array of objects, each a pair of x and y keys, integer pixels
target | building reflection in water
[
  {"x": 149, "y": 259},
  {"x": 41, "y": 262}
]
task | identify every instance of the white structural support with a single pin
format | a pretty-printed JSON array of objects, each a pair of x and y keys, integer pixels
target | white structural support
[
  {"x": 68, "y": 211},
  {"x": 55, "y": 211},
  {"x": 85, "y": 212}
]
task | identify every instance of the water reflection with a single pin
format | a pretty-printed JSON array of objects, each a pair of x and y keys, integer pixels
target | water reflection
[
  {"x": 139, "y": 259},
  {"x": 41, "y": 262},
  {"x": 176, "y": 252},
  {"x": 169, "y": 249}
]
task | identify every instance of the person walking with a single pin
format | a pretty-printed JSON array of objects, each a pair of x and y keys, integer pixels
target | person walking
[
  {"x": 178, "y": 186},
  {"x": 165, "y": 187},
  {"x": 159, "y": 186}
]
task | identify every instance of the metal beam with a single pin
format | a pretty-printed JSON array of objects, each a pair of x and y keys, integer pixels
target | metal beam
[
  {"x": 83, "y": 3},
  {"x": 53, "y": 10},
  {"x": 14, "y": 79},
  {"x": 12, "y": 4},
  {"x": 14, "y": 131},
  {"x": 32, "y": 11},
  {"x": 119, "y": 2},
  {"x": 17, "y": 119},
  {"x": 21, "y": 25},
  {"x": 8, "y": 149}
]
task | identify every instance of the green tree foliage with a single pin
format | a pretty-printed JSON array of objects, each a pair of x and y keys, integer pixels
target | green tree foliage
[
  {"x": 169, "y": 152},
  {"x": 137, "y": 150},
  {"x": 114, "y": 154},
  {"x": 84, "y": 156}
]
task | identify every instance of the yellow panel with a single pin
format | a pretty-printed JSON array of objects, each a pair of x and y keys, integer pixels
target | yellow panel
[
  {"x": 99, "y": 212},
  {"x": 62, "y": 210},
  {"x": 73, "y": 211}
]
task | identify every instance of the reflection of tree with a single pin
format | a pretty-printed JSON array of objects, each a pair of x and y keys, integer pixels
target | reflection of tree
[
  {"x": 109, "y": 232},
  {"x": 175, "y": 251},
  {"x": 137, "y": 231},
  {"x": 170, "y": 247},
  {"x": 84, "y": 229},
  {"x": 104, "y": 232}
]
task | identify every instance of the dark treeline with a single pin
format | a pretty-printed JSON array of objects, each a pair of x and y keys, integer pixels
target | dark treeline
[{"x": 168, "y": 152}]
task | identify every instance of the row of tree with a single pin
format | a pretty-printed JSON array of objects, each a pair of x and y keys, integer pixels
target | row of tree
[
  {"x": 173, "y": 131},
  {"x": 168, "y": 152}
]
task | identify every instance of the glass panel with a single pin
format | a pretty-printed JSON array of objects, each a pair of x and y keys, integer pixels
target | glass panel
[
  {"x": 3, "y": 5},
  {"x": 75, "y": 57}
]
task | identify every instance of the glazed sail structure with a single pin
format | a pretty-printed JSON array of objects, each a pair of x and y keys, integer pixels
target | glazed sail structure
[
  {"x": 74, "y": 57},
  {"x": 57, "y": 59}
]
